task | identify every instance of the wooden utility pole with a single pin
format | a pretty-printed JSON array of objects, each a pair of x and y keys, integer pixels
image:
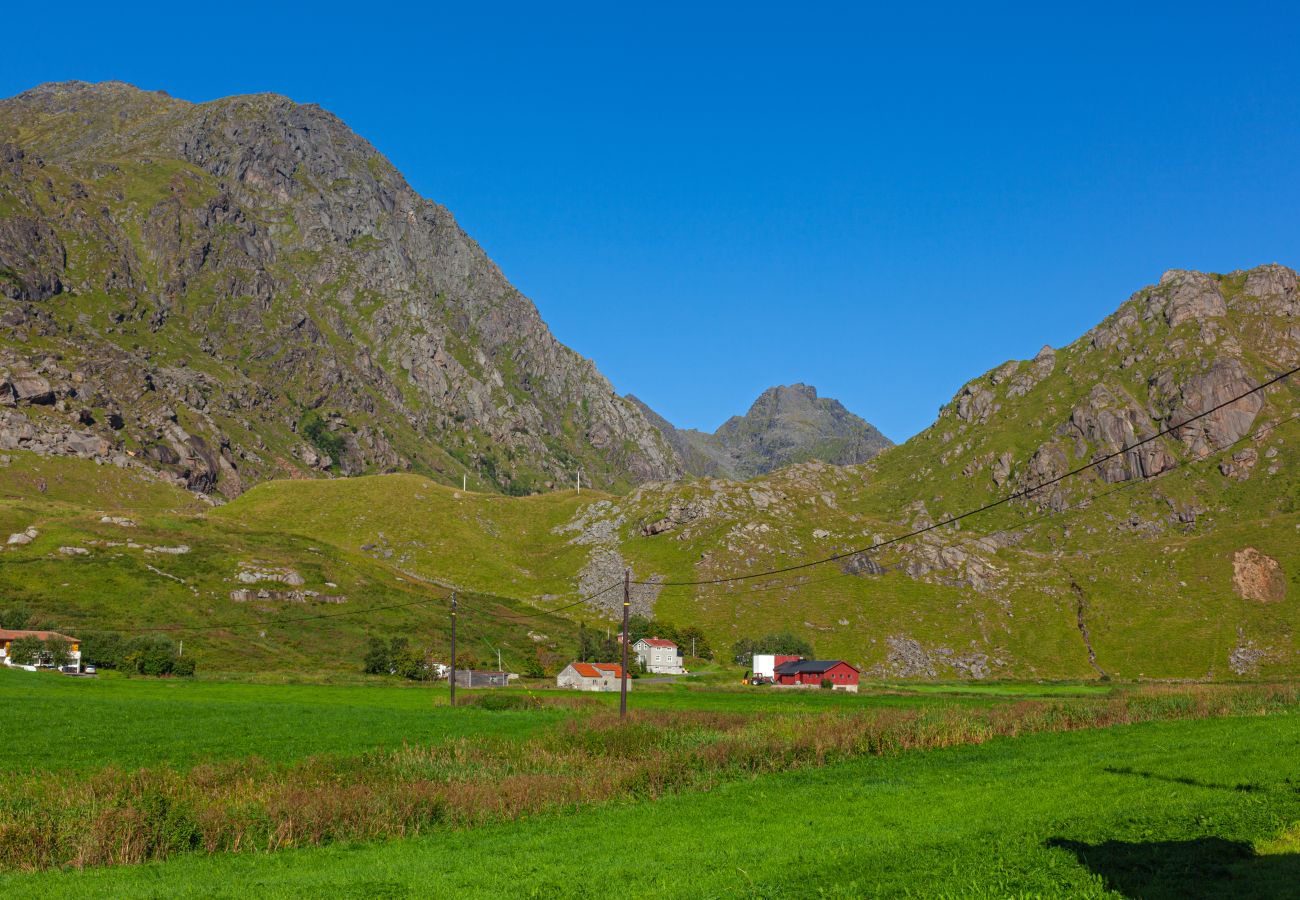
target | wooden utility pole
[
  {"x": 627, "y": 602},
  {"x": 453, "y": 648}
]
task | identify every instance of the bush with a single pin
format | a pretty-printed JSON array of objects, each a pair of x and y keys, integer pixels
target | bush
[
  {"x": 315, "y": 429},
  {"x": 826, "y": 684},
  {"x": 184, "y": 667}
]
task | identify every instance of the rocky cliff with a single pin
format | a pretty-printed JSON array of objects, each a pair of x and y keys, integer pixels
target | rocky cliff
[
  {"x": 243, "y": 289},
  {"x": 785, "y": 425}
]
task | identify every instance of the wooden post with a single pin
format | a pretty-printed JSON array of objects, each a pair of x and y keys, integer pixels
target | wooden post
[
  {"x": 453, "y": 648},
  {"x": 627, "y": 602}
]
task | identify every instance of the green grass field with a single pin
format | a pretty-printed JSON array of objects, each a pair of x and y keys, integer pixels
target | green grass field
[
  {"x": 1173, "y": 809},
  {"x": 81, "y": 724},
  {"x": 381, "y": 789}
]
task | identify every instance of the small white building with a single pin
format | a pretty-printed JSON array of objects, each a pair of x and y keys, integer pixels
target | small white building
[
  {"x": 9, "y": 635},
  {"x": 765, "y": 665},
  {"x": 659, "y": 656},
  {"x": 583, "y": 676}
]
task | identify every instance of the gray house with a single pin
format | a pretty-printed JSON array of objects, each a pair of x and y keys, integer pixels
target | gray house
[
  {"x": 582, "y": 676},
  {"x": 659, "y": 656}
]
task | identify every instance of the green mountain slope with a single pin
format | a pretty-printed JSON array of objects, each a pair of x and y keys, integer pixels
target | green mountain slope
[{"x": 245, "y": 289}]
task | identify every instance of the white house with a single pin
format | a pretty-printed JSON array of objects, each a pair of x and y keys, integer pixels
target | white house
[
  {"x": 582, "y": 676},
  {"x": 9, "y": 635},
  {"x": 659, "y": 656}
]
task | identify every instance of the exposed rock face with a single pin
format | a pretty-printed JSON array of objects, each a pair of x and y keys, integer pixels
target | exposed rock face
[
  {"x": 785, "y": 425},
  {"x": 1258, "y": 577},
  {"x": 1163, "y": 362},
  {"x": 228, "y": 282},
  {"x": 908, "y": 658}
]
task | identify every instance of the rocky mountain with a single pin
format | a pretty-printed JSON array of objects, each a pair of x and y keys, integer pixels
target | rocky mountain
[
  {"x": 785, "y": 425},
  {"x": 244, "y": 289}
]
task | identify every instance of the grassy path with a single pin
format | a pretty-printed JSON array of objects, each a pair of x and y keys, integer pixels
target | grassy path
[{"x": 1172, "y": 809}]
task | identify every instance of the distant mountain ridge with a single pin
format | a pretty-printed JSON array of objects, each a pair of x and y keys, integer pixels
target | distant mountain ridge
[{"x": 787, "y": 424}]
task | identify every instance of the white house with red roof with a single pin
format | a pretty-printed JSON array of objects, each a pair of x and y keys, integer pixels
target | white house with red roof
[
  {"x": 584, "y": 676},
  {"x": 659, "y": 656},
  {"x": 9, "y": 635}
]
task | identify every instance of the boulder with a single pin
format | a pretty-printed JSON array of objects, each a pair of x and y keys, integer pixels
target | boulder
[{"x": 28, "y": 387}]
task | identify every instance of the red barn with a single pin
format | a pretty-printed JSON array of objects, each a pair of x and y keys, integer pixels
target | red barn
[{"x": 797, "y": 672}]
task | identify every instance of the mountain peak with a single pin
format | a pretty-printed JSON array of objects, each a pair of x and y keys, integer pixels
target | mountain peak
[{"x": 786, "y": 424}]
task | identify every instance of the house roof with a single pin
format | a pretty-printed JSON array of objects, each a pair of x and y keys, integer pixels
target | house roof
[
  {"x": 597, "y": 670},
  {"x": 657, "y": 642},
  {"x": 810, "y": 666},
  {"x": 9, "y": 634}
]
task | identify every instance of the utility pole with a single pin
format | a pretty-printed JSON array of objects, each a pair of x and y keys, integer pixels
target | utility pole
[
  {"x": 464, "y": 481},
  {"x": 500, "y": 668},
  {"x": 579, "y": 481},
  {"x": 181, "y": 651},
  {"x": 453, "y": 648},
  {"x": 627, "y": 602}
]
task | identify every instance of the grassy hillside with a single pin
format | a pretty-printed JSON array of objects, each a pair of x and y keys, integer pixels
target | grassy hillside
[{"x": 175, "y": 570}]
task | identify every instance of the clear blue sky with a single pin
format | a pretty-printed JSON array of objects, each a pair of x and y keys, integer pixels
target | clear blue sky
[{"x": 709, "y": 200}]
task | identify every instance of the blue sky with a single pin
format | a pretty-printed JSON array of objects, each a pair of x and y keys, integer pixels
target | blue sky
[{"x": 711, "y": 199}]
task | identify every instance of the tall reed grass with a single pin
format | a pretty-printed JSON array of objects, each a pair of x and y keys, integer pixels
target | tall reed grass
[{"x": 114, "y": 817}]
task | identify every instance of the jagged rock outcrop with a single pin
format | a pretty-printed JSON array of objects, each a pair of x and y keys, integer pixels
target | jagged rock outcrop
[
  {"x": 233, "y": 281},
  {"x": 785, "y": 425}
]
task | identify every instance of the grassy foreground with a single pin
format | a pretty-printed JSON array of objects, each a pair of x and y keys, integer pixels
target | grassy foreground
[
  {"x": 508, "y": 756},
  {"x": 1166, "y": 809}
]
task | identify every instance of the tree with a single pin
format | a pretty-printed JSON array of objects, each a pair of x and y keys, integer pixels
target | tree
[
  {"x": 56, "y": 652},
  {"x": 103, "y": 649},
  {"x": 184, "y": 666},
  {"x": 378, "y": 660},
  {"x": 409, "y": 662},
  {"x": 692, "y": 636},
  {"x": 742, "y": 652},
  {"x": 26, "y": 650},
  {"x": 154, "y": 660},
  {"x": 594, "y": 647},
  {"x": 535, "y": 668},
  {"x": 784, "y": 643}
]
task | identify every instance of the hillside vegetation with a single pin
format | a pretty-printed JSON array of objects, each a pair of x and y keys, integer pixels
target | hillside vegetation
[{"x": 1176, "y": 560}]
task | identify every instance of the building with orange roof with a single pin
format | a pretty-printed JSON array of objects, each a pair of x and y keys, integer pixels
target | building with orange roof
[{"x": 585, "y": 676}]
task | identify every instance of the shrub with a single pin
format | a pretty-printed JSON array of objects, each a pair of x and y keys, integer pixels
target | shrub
[
  {"x": 316, "y": 430},
  {"x": 184, "y": 666}
]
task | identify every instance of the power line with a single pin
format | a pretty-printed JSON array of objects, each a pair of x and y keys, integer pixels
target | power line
[
  {"x": 985, "y": 508},
  {"x": 1074, "y": 507},
  {"x": 541, "y": 615},
  {"x": 255, "y": 623}
]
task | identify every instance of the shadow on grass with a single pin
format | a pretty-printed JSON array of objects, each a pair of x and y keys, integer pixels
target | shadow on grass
[
  {"x": 1243, "y": 787},
  {"x": 1203, "y": 867}
]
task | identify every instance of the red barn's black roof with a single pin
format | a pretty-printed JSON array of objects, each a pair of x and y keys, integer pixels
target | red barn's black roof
[{"x": 810, "y": 666}]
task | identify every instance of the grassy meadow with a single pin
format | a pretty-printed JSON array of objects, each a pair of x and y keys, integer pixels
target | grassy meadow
[
  {"x": 136, "y": 787},
  {"x": 1203, "y": 808}
]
